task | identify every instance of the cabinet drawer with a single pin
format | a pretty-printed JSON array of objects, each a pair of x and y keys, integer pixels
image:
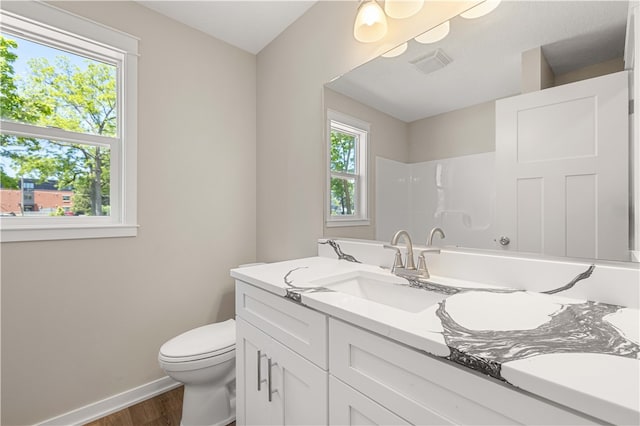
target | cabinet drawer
[
  {"x": 347, "y": 406},
  {"x": 424, "y": 390},
  {"x": 301, "y": 329}
]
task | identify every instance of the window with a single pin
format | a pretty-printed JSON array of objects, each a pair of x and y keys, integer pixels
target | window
[
  {"x": 347, "y": 171},
  {"x": 68, "y": 130}
]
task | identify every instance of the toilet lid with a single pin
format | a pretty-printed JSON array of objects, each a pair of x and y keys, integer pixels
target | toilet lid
[{"x": 202, "y": 342}]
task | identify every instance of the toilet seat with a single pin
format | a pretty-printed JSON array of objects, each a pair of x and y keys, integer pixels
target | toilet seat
[{"x": 209, "y": 341}]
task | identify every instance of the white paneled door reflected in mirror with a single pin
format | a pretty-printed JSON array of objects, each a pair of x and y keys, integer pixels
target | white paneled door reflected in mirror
[{"x": 508, "y": 138}]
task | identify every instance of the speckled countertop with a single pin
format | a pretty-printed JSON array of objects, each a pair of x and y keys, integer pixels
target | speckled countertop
[{"x": 581, "y": 354}]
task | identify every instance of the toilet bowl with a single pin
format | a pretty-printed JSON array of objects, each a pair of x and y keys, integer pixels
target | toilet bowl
[{"x": 203, "y": 359}]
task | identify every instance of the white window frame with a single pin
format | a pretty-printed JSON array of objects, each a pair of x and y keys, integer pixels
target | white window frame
[
  {"x": 49, "y": 25},
  {"x": 350, "y": 124}
]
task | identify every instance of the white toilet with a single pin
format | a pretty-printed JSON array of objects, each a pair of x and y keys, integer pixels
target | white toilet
[{"x": 204, "y": 360}]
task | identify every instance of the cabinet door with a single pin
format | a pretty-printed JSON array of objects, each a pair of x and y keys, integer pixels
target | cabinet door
[
  {"x": 252, "y": 402},
  {"x": 347, "y": 406},
  {"x": 298, "y": 388}
]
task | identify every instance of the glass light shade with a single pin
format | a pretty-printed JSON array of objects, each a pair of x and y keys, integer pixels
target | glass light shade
[
  {"x": 371, "y": 23},
  {"x": 399, "y": 9},
  {"x": 396, "y": 51},
  {"x": 480, "y": 10},
  {"x": 434, "y": 34}
]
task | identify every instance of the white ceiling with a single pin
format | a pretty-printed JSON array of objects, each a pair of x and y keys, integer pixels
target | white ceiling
[
  {"x": 486, "y": 56},
  {"x": 249, "y": 25}
]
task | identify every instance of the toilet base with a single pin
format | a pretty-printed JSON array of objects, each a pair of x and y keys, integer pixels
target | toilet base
[
  {"x": 222, "y": 423},
  {"x": 203, "y": 406}
]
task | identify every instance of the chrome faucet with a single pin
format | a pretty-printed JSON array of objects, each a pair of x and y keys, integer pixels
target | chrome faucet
[
  {"x": 409, "y": 257},
  {"x": 398, "y": 264},
  {"x": 433, "y": 232},
  {"x": 399, "y": 268}
]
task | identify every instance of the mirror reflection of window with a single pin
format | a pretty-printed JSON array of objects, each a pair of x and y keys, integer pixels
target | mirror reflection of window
[{"x": 347, "y": 157}]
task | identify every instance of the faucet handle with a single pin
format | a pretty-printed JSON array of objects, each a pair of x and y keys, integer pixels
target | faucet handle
[
  {"x": 422, "y": 266},
  {"x": 422, "y": 263},
  {"x": 397, "y": 261}
]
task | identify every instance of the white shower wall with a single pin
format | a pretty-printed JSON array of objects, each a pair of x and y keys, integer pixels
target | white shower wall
[{"x": 456, "y": 194}]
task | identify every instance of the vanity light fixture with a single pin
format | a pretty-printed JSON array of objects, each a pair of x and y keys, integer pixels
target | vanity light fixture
[
  {"x": 371, "y": 22},
  {"x": 480, "y": 10},
  {"x": 400, "y": 9},
  {"x": 434, "y": 34},
  {"x": 396, "y": 51}
]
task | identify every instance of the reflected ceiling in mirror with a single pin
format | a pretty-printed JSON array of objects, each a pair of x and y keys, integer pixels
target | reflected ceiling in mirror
[{"x": 485, "y": 56}]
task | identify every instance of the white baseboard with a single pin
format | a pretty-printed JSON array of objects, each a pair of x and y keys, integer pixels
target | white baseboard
[{"x": 114, "y": 403}]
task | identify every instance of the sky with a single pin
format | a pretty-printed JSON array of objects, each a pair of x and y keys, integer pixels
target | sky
[{"x": 28, "y": 50}]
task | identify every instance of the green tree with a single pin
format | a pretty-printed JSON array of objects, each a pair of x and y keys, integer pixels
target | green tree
[
  {"x": 343, "y": 147},
  {"x": 62, "y": 95},
  {"x": 10, "y": 103}
]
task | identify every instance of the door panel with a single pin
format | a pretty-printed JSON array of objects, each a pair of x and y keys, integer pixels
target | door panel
[{"x": 562, "y": 169}]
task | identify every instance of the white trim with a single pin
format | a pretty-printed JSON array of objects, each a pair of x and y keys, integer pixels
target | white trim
[
  {"x": 336, "y": 223},
  {"x": 348, "y": 120},
  {"x": 114, "y": 403},
  {"x": 55, "y": 134},
  {"x": 53, "y": 16},
  {"x": 635, "y": 145},
  {"x": 75, "y": 232}
]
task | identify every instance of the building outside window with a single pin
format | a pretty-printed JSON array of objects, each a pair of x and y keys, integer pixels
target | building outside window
[
  {"x": 68, "y": 109},
  {"x": 347, "y": 171}
]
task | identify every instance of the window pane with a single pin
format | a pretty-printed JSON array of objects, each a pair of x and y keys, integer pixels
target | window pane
[
  {"x": 49, "y": 178},
  {"x": 343, "y": 152},
  {"x": 343, "y": 199},
  {"x": 49, "y": 87}
]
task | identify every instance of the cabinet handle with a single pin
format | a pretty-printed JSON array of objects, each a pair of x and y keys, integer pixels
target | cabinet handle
[
  {"x": 260, "y": 355},
  {"x": 269, "y": 378}
]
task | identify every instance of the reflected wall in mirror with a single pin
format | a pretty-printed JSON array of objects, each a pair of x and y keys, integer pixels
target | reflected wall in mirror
[{"x": 444, "y": 151}]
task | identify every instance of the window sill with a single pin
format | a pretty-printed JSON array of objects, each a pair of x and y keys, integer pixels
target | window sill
[
  {"x": 76, "y": 232},
  {"x": 346, "y": 222}
]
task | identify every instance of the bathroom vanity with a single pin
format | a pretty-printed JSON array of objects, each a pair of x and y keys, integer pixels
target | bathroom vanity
[{"x": 326, "y": 340}]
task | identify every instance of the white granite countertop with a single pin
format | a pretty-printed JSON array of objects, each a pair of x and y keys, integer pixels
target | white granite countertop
[{"x": 582, "y": 354}]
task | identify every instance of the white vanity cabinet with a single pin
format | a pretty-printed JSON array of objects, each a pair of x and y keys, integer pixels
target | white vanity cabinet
[
  {"x": 389, "y": 383},
  {"x": 298, "y": 366},
  {"x": 277, "y": 384}
]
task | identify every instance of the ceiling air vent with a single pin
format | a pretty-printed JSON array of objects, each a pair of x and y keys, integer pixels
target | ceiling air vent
[{"x": 432, "y": 61}]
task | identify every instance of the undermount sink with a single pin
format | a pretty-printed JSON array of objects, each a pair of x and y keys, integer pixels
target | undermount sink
[{"x": 385, "y": 289}]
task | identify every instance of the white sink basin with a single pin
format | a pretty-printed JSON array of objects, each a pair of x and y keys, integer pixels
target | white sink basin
[{"x": 385, "y": 289}]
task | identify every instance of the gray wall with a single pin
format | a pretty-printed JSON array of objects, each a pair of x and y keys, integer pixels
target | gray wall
[
  {"x": 466, "y": 131},
  {"x": 83, "y": 320}
]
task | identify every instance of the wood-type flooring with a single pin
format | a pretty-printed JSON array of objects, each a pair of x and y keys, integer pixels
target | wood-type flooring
[{"x": 162, "y": 410}]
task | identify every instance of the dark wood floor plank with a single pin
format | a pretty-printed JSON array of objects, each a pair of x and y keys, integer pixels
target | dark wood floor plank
[{"x": 162, "y": 410}]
